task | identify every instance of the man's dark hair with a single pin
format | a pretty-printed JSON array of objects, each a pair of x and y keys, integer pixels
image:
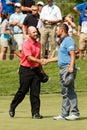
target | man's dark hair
[{"x": 64, "y": 27}]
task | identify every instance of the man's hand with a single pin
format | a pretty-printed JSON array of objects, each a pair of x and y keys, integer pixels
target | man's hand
[
  {"x": 70, "y": 69},
  {"x": 43, "y": 61}
]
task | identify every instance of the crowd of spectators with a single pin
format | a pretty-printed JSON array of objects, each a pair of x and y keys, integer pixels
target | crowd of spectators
[{"x": 16, "y": 17}]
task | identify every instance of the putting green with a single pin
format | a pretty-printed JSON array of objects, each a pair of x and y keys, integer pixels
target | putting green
[{"x": 50, "y": 106}]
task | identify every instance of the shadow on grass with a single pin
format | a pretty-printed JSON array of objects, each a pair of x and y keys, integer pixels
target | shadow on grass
[
  {"x": 21, "y": 117},
  {"x": 82, "y": 118},
  {"x": 31, "y": 117},
  {"x": 48, "y": 116}
]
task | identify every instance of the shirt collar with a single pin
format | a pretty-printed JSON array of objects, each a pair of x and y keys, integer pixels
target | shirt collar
[{"x": 63, "y": 38}]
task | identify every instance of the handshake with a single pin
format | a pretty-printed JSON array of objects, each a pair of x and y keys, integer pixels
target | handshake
[{"x": 44, "y": 61}]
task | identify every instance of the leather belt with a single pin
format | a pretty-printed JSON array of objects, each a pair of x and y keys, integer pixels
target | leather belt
[{"x": 32, "y": 68}]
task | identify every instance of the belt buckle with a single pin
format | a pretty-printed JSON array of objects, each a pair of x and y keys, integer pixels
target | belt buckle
[{"x": 31, "y": 68}]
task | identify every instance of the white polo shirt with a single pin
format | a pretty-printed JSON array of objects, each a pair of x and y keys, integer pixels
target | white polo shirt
[{"x": 51, "y": 13}]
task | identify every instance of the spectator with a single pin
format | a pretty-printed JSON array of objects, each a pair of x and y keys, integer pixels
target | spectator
[
  {"x": 3, "y": 5},
  {"x": 29, "y": 78},
  {"x": 40, "y": 5},
  {"x": 69, "y": 20},
  {"x": 80, "y": 8},
  {"x": 16, "y": 22},
  {"x": 30, "y": 20},
  {"x": 5, "y": 31},
  {"x": 66, "y": 63},
  {"x": 8, "y": 6},
  {"x": 11, "y": 6},
  {"x": 39, "y": 25},
  {"x": 82, "y": 32},
  {"x": 50, "y": 16},
  {"x": 27, "y": 6}
]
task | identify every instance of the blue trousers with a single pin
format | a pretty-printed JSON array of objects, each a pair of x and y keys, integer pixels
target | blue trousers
[{"x": 68, "y": 94}]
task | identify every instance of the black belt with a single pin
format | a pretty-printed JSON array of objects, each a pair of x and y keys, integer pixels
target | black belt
[
  {"x": 48, "y": 23},
  {"x": 32, "y": 68}
]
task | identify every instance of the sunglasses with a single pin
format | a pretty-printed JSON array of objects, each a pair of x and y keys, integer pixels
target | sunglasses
[
  {"x": 34, "y": 10},
  {"x": 17, "y": 7}
]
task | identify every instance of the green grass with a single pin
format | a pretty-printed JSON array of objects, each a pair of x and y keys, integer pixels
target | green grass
[
  {"x": 50, "y": 106},
  {"x": 9, "y": 80},
  {"x": 50, "y": 99}
]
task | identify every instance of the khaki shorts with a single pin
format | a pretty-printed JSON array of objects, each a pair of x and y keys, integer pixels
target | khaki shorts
[
  {"x": 83, "y": 41},
  {"x": 3, "y": 42},
  {"x": 19, "y": 38}
]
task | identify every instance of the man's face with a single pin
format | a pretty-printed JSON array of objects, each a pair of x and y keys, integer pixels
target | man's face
[
  {"x": 34, "y": 10},
  {"x": 49, "y": 0},
  {"x": 18, "y": 9},
  {"x": 59, "y": 31},
  {"x": 40, "y": 7},
  {"x": 33, "y": 34}
]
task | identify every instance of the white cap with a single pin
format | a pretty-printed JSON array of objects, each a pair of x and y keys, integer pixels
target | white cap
[
  {"x": 40, "y": 3},
  {"x": 18, "y": 5}
]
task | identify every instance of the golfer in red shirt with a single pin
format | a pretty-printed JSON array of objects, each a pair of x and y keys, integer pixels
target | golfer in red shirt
[{"x": 28, "y": 74}]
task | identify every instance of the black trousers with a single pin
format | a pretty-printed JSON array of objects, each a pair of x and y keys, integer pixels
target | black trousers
[{"x": 29, "y": 79}]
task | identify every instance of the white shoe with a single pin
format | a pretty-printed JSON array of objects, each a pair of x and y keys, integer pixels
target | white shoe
[
  {"x": 72, "y": 117},
  {"x": 58, "y": 117}
]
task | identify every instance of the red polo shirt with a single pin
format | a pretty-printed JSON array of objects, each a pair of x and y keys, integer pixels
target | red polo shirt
[{"x": 30, "y": 48}]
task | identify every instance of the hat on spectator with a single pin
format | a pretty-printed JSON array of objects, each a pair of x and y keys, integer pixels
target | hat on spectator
[
  {"x": 40, "y": 3},
  {"x": 17, "y": 5}
]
